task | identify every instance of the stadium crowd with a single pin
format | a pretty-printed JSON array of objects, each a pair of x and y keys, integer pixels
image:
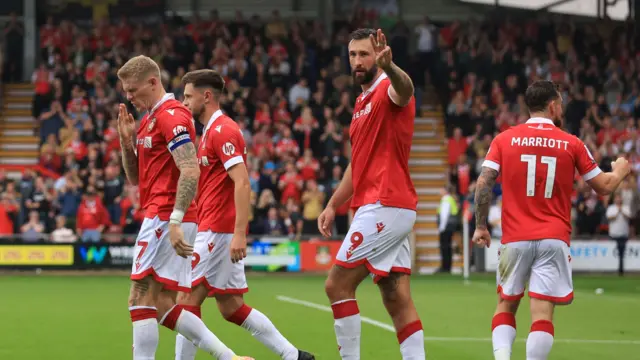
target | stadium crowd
[
  {"x": 288, "y": 87},
  {"x": 487, "y": 66}
]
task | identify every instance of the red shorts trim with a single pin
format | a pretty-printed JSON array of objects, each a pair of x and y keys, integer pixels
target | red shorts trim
[
  {"x": 214, "y": 290},
  {"x": 509, "y": 297},
  {"x": 379, "y": 274},
  {"x": 169, "y": 284},
  {"x": 554, "y": 299}
]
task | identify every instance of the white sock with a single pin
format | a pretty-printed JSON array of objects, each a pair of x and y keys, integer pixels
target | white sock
[
  {"x": 503, "y": 335},
  {"x": 412, "y": 348},
  {"x": 264, "y": 331},
  {"x": 145, "y": 332},
  {"x": 185, "y": 349},
  {"x": 540, "y": 340},
  {"x": 194, "y": 329},
  {"x": 347, "y": 325}
]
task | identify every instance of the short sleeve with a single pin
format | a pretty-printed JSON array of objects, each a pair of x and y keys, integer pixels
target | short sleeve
[
  {"x": 176, "y": 126},
  {"x": 493, "y": 159},
  {"x": 228, "y": 145},
  {"x": 585, "y": 163}
]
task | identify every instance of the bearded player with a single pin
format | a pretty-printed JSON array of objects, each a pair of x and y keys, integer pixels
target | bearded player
[
  {"x": 537, "y": 161},
  {"x": 378, "y": 184},
  {"x": 161, "y": 160},
  {"x": 223, "y": 220}
]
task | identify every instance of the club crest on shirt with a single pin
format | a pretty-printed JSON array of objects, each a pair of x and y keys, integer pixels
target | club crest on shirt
[{"x": 151, "y": 124}]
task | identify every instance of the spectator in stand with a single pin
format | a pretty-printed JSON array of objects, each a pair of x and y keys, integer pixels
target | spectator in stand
[
  {"x": 92, "y": 217},
  {"x": 113, "y": 189},
  {"x": 33, "y": 230},
  {"x": 8, "y": 213},
  {"x": 313, "y": 201},
  {"x": 290, "y": 184},
  {"x": 62, "y": 234},
  {"x": 14, "y": 44},
  {"x": 619, "y": 216},
  {"x": 273, "y": 224}
]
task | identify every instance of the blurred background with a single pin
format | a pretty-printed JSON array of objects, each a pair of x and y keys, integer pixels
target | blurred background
[{"x": 289, "y": 87}]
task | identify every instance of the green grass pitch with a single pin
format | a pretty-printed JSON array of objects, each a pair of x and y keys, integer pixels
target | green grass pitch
[{"x": 86, "y": 318}]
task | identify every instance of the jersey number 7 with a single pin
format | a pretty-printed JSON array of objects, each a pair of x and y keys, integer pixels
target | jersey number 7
[{"x": 550, "y": 161}]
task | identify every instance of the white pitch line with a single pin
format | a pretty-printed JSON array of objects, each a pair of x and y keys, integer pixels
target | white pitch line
[{"x": 390, "y": 328}]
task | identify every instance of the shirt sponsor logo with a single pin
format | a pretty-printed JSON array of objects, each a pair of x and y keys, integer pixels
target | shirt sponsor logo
[
  {"x": 179, "y": 130},
  {"x": 228, "y": 149},
  {"x": 363, "y": 112},
  {"x": 147, "y": 142}
]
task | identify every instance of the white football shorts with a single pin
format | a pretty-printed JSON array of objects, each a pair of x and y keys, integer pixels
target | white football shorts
[
  {"x": 154, "y": 255},
  {"x": 379, "y": 239},
  {"x": 544, "y": 264},
  {"x": 212, "y": 265}
]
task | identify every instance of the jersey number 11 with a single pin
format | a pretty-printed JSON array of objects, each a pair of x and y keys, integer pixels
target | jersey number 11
[{"x": 531, "y": 173}]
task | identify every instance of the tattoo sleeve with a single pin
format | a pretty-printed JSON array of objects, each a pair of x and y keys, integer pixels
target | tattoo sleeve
[
  {"x": 400, "y": 81},
  {"x": 484, "y": 190},
  {"x": 186, "y": 160},
  {"x": 130, "y": 160}
]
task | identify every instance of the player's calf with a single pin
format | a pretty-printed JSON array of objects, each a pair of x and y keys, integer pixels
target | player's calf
[
  {"x": 396, "y": 296},
  {"x": 142, "y": 309},
  {"x": 540, "y": 339},
  {"x": 233, "y": 309},
  {"x": 341, "y": 288},
  {"x": 503, "y": 327}
]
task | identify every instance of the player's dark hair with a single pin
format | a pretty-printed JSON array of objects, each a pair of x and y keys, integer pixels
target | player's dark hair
[
  {"x": 362, "y": 33},
  {"x": 204, "y": 78},
  {"x": 540, "y": 94}
]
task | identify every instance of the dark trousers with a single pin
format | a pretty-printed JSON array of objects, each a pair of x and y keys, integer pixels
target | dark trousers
[
  {"x": 445, "y": 250},
  {"x": 621, "y": 244}
]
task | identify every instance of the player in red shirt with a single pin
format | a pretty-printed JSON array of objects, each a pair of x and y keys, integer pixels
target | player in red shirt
[
  {"x": 161, "y": 159},
  {"x": 223, "y": 219},
  {"x": 378, "y": 185},
  {"x": 537, "y": 161}
]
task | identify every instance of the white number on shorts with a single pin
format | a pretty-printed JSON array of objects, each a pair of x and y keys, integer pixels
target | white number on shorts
[{"x": 531, "y": 173}]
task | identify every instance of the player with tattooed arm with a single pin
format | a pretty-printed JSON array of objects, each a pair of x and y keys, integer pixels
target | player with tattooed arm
[
  {"x": 378, "y": 185},
  {"x": 537, "y": 162},
  {"x": 161, "y": 159},
  {"x": 223, "y": 220}
]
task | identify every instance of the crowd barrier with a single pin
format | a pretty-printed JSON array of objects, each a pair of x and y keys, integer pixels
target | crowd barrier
[
  {"x": 586, "y": 256},
  {"x": 263, "y": 254}
]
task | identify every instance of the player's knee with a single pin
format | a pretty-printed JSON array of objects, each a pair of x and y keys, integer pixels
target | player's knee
[
  {"x": 541, "y": 310},
  {"x": 337, "y": 291},
  {"x": 510, "y": 306},
  {"x": 228, "y": 304},
  {"x": 141, "y": 293}
]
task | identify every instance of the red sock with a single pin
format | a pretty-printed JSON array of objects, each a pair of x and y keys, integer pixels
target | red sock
[
  {"x": 503, "y": 332},
  {"x": 171, "y": 318},
  {"x": 240, "y": 315},
  {"x": 347, "y": 326},
  {"x": 142, "y": 313},
  {"x": 411, "y": 339},
  {"x": 540, "y": 339},
  {"x": 194, "y": 309}
]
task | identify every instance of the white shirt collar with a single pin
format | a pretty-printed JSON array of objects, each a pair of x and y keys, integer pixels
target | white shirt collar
[
  {"x": 164, "y": 99},
  {"x": 539, "y": 120},
  {"x": 213, "y": 118},
  {"x": 375, "y": 84}
]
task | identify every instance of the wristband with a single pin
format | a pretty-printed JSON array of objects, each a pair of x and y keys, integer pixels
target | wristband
[{"x": 176, "y": 217}]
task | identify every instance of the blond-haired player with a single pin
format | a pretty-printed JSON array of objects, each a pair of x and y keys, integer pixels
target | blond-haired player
[{"x": 161, "y": 159}]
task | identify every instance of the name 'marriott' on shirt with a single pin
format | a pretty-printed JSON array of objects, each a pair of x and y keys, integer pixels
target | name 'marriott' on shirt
[{"x": 539, "y": 141}]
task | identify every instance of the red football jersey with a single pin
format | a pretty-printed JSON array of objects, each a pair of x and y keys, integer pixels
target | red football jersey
[
  {"x": 537, "y": 162},
  {"x": 381, "y": 134},
  {"x": 167, "y": 126},
  {"x": 221, "y": 147}
]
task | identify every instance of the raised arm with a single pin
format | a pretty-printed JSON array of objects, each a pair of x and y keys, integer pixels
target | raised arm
[
  {"x": 126, "y": 130},
  {"x": 401, "y": 88}
]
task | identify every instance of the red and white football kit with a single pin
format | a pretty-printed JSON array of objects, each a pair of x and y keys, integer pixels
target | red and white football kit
[
  {"x": 383, "y": 193},
  {"x": 222, "y": 146},
  {"x": 166, "y": 127},
  {"x": 537, "y": 162}
]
